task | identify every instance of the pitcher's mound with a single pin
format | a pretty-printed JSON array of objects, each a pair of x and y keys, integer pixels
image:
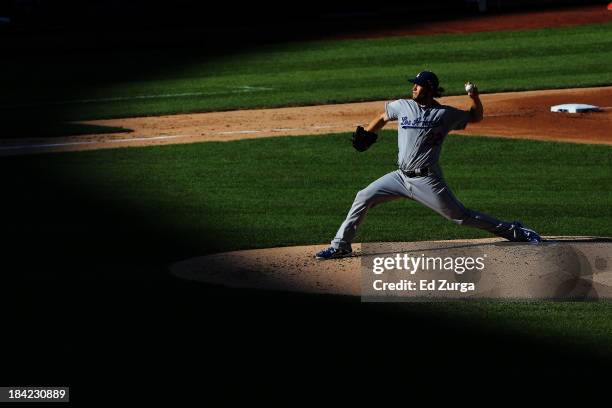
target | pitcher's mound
[{"x": 560, "y": 267}]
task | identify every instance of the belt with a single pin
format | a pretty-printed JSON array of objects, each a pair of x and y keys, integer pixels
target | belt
[{"x": 424, "y": 171}]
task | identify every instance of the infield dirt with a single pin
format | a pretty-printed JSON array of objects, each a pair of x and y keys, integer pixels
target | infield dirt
[{"x": 524, "y": 115}]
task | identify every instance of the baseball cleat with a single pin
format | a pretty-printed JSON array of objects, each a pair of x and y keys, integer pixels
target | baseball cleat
[
  {"x": 522, "y": 234},
  {"x": 333, "y": 253},
  {"x": 531, "y": 236}
]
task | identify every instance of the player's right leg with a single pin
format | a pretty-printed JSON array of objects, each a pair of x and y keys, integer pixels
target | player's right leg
[
  {"x": 435, "y": 194},
  {"x": 389, "y": 187}
]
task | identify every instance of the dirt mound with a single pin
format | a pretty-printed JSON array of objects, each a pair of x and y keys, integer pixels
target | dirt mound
[{"x": 559, "y": 268}]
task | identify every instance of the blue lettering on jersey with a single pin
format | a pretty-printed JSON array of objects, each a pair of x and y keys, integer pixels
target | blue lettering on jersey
[{"x": 419, "y": 123}]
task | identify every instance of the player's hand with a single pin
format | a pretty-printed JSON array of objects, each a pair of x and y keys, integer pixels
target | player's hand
[{"x": 471, "y": 89}]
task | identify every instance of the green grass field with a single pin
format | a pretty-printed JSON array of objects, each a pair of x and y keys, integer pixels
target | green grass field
[
  {"x": 268, "y": 192},
  {"x": 174, "y": 80}
]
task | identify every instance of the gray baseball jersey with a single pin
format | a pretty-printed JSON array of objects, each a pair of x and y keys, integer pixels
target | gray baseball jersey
[{"x": 421, "y": 131}]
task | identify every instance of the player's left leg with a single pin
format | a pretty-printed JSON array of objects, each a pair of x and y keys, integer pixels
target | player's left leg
[
  {"x": 389, "y": 187},
  {"x": 434, "y": 193}
]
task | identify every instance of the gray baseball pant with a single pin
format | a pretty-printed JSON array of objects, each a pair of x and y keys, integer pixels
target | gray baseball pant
[{"x": 430, "y": 191}]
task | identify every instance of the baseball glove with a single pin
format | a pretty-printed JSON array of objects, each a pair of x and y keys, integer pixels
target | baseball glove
[{"x": 362, "y": 139}]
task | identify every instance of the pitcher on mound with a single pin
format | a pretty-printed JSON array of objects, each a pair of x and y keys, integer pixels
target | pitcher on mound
[{"x": 422, "y": 126}]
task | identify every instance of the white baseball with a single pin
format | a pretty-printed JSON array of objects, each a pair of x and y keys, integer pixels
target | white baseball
[{"x": 469, "y": 87}]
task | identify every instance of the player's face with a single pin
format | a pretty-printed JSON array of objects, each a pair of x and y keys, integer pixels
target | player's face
[{"x": 419, "y": 93}]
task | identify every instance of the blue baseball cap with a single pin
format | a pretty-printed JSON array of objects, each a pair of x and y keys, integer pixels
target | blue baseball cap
[{"x": 427, "y": 79}]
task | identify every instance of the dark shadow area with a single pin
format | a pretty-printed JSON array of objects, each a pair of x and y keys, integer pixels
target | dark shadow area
[
  {"x": 69, "y": 231},
  {"x": 213, "y": 342}
]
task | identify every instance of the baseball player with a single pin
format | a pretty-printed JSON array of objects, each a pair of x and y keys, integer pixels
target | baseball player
[{"x": 422, "y": 125}]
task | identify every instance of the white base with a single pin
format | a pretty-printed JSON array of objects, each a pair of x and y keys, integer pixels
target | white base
[{"x": 574, "y": 108}]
